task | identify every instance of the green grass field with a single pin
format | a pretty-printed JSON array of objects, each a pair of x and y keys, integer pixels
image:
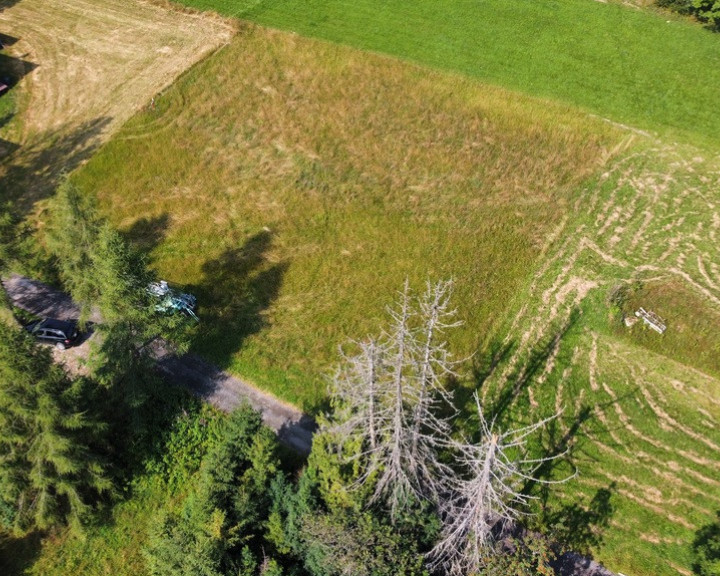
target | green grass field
[
  {"x": 652, "y": 71},
  {"x": 293, "y": 185}
]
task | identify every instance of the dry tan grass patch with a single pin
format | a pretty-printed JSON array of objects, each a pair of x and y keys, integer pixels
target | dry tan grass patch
[{"x": 97, "y": 58}]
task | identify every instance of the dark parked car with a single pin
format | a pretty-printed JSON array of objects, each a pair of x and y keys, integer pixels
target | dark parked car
[{"x": 59, "y": 332}]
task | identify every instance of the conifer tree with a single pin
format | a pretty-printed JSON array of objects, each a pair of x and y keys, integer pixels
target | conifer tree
[
  {"x": 102, "y": 271},
  {"x": 49, "y": 472},
  {"x": 71, "y": 237},
  {"x": 8, "y": 225}
]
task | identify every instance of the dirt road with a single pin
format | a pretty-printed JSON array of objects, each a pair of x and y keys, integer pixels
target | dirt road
[{"x": 219, "y": 388}]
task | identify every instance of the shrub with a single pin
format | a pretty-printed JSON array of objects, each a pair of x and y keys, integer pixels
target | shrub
[{"x": 704, "y": 10}]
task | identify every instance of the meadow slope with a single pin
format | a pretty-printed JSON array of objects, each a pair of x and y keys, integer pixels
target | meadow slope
[
  {"x": 293, "y": 185},
  {"x": 641, "y": 418}
]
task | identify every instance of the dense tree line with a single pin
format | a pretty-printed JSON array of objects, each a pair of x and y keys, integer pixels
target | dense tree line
[{"x": 61, "y": 435}]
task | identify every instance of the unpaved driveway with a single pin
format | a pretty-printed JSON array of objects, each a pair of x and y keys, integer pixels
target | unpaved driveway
[{"x": 205, "y": 380}]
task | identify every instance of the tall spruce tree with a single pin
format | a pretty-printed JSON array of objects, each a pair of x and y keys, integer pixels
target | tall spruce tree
[
  {"x": 71, "y": 237},
  {"x": 49, "y": 472},
  {"x": 105, "y": 273}
]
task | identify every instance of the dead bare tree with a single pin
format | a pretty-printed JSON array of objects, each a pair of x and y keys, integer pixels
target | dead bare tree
[
  {"x": 484, "y": 494},
  {"x": 434, "y": 366},
  {"x": 388, "y": 395},
  {"x": 355, "y": 393}
]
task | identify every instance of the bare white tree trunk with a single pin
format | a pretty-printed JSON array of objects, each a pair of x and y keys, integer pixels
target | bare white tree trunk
[
  {"x": 388, "y": 395},
  {"x": 394, "y": 484},
  {"x": 373, "y": 353},
  {"x": 485, "y": 493},
  {"x": 354, "y": 392},
  {"x": 434, "y": 365}
]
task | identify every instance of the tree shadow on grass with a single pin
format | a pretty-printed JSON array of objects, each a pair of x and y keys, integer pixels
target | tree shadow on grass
[
  {"x": 484, "y": 366},
  {"x": 12, "y": 68},
  {"x": 4, "y": 121},
  {"x": 18, "y": 554},
  {"x": 148, "y": 233},
  {"x": 706, "y": 549},
  {"x": 5, "y": 4},
  {"x": 32, "y": 172},
  {"x": 579, "y": 526},
  {"x": 498, "y": 404},
  {"x": 6, "y": 146},
  {"x": 238, "y": 288},
  {"x": 6, "y": 39}
]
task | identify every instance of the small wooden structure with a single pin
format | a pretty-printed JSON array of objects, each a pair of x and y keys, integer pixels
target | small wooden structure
[{"x": 652, "y": 320}]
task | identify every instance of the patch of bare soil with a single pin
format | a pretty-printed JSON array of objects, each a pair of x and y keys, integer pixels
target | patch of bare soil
[{"x": 101, "y": 58}]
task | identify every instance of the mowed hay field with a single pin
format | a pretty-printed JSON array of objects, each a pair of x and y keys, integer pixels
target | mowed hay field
[
  {"x": 293, "y": 185},
  {"x": 83, "y": 68},
  {"x": 641, "y": 411}
]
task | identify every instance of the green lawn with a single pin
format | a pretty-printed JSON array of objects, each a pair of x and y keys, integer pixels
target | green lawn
[{"x": 619, "y": 62}]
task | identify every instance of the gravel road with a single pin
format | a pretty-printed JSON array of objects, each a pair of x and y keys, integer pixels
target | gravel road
[{"x": 219, "y": 388}]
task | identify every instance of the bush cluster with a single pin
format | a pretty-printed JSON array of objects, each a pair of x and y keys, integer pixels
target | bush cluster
[{"x": 707, "y": 11}]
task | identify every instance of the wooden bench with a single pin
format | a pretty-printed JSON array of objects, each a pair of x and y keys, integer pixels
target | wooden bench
[{"x": 652, "y": 320}]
